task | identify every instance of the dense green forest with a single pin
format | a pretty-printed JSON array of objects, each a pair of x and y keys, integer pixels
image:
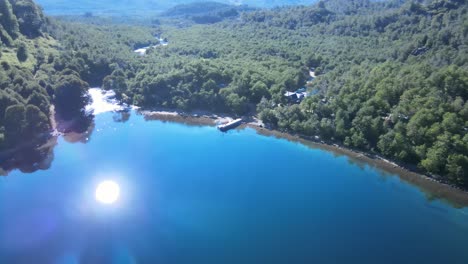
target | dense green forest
[
  {"x": 205, "y": 12},
  {"x": 392, "y": 76},
  {"x": 31, "y": 77}
]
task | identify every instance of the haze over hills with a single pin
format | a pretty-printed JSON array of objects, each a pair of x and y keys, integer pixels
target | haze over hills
[
  {"x": 205, "y": 12},
  {"x": 198, "y": 8},
  {"x": 142, "y": 7}
]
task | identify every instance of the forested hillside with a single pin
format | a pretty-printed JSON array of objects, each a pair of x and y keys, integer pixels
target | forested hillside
[
  {"x": 206, "y": 12},
  {"x": 30, "y": 77},
  {"x": 398, "y": 85},
  {"x": 121, "y": 8},
  {"x": 392, "y": 75}
]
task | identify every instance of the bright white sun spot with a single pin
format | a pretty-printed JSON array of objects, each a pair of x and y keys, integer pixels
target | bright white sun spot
[{"x": 107, "y": 192}]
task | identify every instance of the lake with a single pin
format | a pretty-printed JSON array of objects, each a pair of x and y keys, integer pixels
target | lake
[{"x": 190, "y": 194}]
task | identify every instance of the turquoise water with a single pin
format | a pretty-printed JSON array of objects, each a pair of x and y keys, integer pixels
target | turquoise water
[{"x": 195, "y": 195}]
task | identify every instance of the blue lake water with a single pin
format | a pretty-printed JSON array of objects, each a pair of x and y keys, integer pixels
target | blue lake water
[{"x": 195, "y": 195}]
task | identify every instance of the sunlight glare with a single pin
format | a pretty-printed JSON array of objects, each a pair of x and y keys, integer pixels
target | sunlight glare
[{"x": 107, "y": 192}]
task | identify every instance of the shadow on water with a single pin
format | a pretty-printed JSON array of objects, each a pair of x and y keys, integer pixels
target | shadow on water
[
  {"x": 29, "y": 159},
  {"x": 36, "y": 156},
  {"x": 78, "y": 131},
  {"x": 122, "y": 116},
  {"x": 431, "y": 189}
]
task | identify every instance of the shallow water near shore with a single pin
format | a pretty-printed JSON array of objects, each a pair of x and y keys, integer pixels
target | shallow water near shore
[{"x": 190, "y": 194}]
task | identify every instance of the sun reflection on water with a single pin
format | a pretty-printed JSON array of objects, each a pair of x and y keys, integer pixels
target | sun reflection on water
[{"x": 107, "y": 192}]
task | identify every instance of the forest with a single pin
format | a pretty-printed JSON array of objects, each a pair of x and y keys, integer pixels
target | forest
[
  {"x": 31, "y": 78},
  {"x": 205, "y": 12},
  {"x": 392, "y": 76}
]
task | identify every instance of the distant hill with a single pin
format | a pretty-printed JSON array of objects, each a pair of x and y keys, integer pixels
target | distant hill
[
  {"x": 206, "y": 12},
  {"x": 196, "y": 8},
  {"x": 143, "y": 7}
]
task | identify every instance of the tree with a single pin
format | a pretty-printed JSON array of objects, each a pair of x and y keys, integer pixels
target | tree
[
  {"x": 8, "y": 20},
  {"x": 236, "y": 103},
  {"x": 71, "y": 97},
  {"x": 396, "y": 146},
  {"x": 457, "y": 169},
  {"x": 453, "y": 80},
  {"x": 116, "y": 82},
  {"x": 39, "y": 100},
  {"x": 437, "y": 156},
  {"x": 36, "y": 122},
  {"x": 268, "y": 116},
  {"x": 6, "y": 100},
  {"x": 22, "y": 52},
  {"x": 14, "y": 123},
  {"x": 210, "y": 85},
  {"x": 259, "y": 91},
  {"x": 30, "y": 17},
  {"x": 452, "y": 123}
]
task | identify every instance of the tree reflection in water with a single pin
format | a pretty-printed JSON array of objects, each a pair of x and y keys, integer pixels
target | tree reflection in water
[
  {"x": 121, "y": 116},
  {"x": 79, "y": 130},
  {"x": 39, "y": 155},
  {"x": 29, "y": 159}
]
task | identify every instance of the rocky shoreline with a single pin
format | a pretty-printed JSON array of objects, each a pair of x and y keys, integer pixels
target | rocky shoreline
[
  {"x": 432, "y": 187},
  {"x": 197, "y": 118}
]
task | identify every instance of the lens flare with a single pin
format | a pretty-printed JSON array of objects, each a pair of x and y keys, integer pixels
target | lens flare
[{"x": 107, "y": 192}]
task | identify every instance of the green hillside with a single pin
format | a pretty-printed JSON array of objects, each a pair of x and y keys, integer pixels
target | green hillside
[
  {"x": 205, "y": 12},
  {"x": 30, "y": 78},
  {"x": 392, "y": 75}
]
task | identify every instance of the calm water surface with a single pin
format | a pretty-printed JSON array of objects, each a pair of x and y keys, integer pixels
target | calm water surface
[{"x": 195, "y": 195}]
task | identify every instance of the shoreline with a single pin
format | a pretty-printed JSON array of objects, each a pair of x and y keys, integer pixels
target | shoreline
[
  {"x": 433, "y": 188},
  {"x": 196, "y": 118}
]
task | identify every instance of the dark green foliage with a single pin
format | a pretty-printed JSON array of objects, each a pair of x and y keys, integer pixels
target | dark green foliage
[
  {"x": 236, "y": 103},
  {"x": 292, "y": 17},
  {"x": 22, "y": 123},
  {"x": 117, "y": 82},
  {"x": 40, "y": 100},
  {"x": 30, "y": 17},
  {"x": 205, "y": 12},
  {"x": 24, "y": 108},
  {"x": 9, "y": 27},
  {"x": 6, "y": 100},
  {"x": 410, "y": 110},
  {"x": 22, "y": 52},
  {"x": 195, "y": 8},
  {"x": 36, "y": 122},
  {"x": 26, "y": 93},
  {"x": 19, "y": 17},
  {"x": 70, "y": 96},
  {"x": 5, "y": 38},
  {"x": 14, "y": 123}
]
